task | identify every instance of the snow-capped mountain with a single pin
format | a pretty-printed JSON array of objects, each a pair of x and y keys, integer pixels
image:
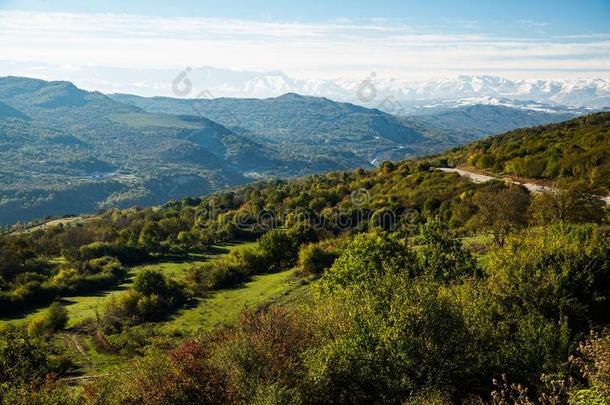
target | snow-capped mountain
[
  {"x": 594, "y": 93},
  {"x": 436, "y": 106},
  {"x": 374, "y": 90}
]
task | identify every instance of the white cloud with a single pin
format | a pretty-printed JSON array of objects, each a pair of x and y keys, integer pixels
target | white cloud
[{"x": 337, "y": 48}]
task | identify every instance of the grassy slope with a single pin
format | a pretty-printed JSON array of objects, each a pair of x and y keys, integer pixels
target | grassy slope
[
  {"x": 221, "y": 307},
  {"x": 225, "y": 306},
  {"x": 82, "y": 307}
]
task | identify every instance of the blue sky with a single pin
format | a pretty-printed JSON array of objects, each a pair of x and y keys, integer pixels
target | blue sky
[
  {"x": 310, "y": 39},
  {"x": 557, "y": 17}
]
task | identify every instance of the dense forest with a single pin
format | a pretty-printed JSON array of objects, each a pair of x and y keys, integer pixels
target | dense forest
[{"x": 412, "y": 285}]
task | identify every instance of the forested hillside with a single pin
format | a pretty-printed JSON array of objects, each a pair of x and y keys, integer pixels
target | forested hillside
[
  {"x": 401, "y": 284},
  {"x": 578, "y": 149},
  {"x": 318, "y": 126},
  {"x": 67, "y": 151}
]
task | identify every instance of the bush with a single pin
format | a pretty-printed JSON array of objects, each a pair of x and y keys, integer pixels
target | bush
[
  {"x": 178, "y": 376},
  {"x": 217, "y": 274},
  {"x": 442, "y": 257},
  {"x": 125, "y": 253},
  {"x": 252, "y": 260},
  {"x": 366, "y": 258},
  {"x": 52, "y": 320},
  {"x": 149, "y": 282},
  {"x": 562, "y": 271},
  {"x": 151, "y": 298},
  {"x": 314, "y": 258}
]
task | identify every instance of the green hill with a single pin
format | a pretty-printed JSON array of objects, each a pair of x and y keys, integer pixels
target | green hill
[
  {"x": 574, "y": 149},
  {"x": 65, "y": 151}
]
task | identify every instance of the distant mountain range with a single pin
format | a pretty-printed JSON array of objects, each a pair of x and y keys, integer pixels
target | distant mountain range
[
  {"x": 64, "y": 150},
  {"x": 313, "y": 126},
  {"x": 412, "y": 95}
]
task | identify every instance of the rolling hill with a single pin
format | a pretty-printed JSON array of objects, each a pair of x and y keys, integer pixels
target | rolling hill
[
  {"x": 578, "y": 148},
  {"x": 65, "y": 151},
  {"x": 304, "y": 126},
  {"x": 317, "y": 125}
]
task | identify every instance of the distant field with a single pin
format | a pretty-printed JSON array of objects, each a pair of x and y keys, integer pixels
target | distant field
[{"x": 140, "y": 120}]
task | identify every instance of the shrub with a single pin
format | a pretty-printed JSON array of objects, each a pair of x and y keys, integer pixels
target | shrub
[
  {"x": 150, "y": 281},
  {"x": 52, "y": 320},
  {"x": 442, "y": 257},
  {"x": 365, "y": 259},
  {"x": 314, "y": 258},
  {"x": 151, "y": 298},
  {"x": 179, "y": 376},
  {"x": 562, "y": 271},
  {"x": 252, "y": 260},
  {"x": 125, "y": 253},
  {"x": 217, "y": 274}
]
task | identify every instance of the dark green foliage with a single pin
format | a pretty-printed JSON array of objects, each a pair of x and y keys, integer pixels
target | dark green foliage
[
  {"x": 152, "y": 297},
  {"x": 281, "y": 248},
  {"x": 315, "y": 258},
  {"x": 442, "y": 257},
  {"x": 150, "y": 282},
  {"x": 21, "y": 360}
]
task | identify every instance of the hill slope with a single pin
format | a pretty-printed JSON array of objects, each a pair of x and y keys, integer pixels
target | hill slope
[
  {"x": 304, "y": 126},
  {"x": 313, "y": 125},
  {"x": 459, "y": 125},
  {"x": 64, "y": 150},
  {"x": 579, "y": 148}
]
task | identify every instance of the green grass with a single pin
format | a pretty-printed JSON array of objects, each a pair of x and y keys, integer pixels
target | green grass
[
  {"x": 85, "y": 306},
  {"x": 225, "y": 306},
  {"x": 222, "y": 307},
  {"x": 140, "y": 120}
]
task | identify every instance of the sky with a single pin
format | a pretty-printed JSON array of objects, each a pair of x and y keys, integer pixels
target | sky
[{"x": 413, "y": 40}]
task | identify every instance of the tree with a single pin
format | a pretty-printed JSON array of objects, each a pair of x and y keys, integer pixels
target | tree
[
  {"x": 366, "y": 258},
  {"x": 280, "y": 247},
  {"x": 502, "y": 208},
  {"x": 57, "y": 316},
  {"x": 52, "y": 320},
  {"x": 442, "y": 257},
  {"x": 576, "y": 202},
  {"x": 150, "y": 237},
  {"x": 21, "y": 359}
]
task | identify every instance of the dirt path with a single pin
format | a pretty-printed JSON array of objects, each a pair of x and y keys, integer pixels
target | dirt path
[
  {"x": 482, "y": 178},
  {"x": 72, "y": 341}
]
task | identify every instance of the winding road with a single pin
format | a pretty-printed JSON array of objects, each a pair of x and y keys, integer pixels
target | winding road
[{"x": 482, "y": 178}]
